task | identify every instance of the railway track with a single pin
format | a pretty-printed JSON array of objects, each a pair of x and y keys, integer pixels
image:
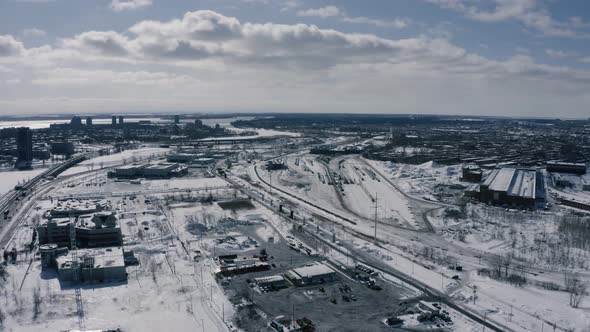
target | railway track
[{"x": 382, "y": 268}]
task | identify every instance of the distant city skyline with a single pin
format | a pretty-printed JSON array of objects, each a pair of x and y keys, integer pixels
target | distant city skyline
[{"x": 521, "y": 58}]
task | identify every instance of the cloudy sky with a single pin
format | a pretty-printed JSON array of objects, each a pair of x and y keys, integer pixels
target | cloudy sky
[{"x": 477, "y": 57}]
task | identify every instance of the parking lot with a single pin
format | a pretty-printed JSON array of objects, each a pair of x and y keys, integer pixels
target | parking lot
[{"x": 356, "y": 301}]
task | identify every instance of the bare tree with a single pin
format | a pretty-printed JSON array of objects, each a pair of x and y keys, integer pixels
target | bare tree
[
  {"x": 36, "y": 302},
  {"x": 153, "y": 268},
  {"x": 576, "y": 288},
  {"x": 2, "y": 318}
]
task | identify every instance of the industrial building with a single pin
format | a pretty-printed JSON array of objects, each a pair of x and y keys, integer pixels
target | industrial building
[
  {"x": 564, "y": 180},
  {"x": 91, "y": 231},
  {"x": 75, "y": 208},
  {"x": 274, "y": 165},
  {"x": 180, "y": 158},
  {"x": 92, "y": 265},
  {"x": 271, "y": 282},
  {"x": 516, "y": 187},
  {"x": 472, "y": 173},
  {"x": 572, "y": 168},
  {"x": 312, "y": 274},
  {"x": 153, "y": 171},
  {"x": 62, "y": 148}
]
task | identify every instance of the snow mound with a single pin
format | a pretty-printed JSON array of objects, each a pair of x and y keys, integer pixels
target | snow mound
[{"x": 429, "y": 165}]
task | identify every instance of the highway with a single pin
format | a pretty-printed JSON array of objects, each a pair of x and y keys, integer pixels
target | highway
[{"x": 10, "y": 200}]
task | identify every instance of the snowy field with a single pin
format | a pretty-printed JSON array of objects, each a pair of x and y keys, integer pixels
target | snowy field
[
  {"x": 125, "y": 157},
  {"x": 9, "y": 179}
]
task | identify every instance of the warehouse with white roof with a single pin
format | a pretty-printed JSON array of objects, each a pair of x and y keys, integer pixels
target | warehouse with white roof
[{"x": 516, "y": 187}]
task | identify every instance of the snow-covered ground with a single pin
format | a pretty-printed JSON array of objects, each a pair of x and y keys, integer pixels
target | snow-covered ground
[
  {"x": 125, "y": 157},
  {"x": 9, "y": 179}
]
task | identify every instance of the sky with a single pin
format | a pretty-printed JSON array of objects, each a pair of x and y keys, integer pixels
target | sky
[{"x": 464, "y": 57}]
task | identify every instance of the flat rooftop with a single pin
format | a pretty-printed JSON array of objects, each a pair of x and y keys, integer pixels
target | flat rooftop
[
  {"x": 499, "y": 179},
  {"x": 313, "y": 270},
  {"x": 103, "y": 257}
]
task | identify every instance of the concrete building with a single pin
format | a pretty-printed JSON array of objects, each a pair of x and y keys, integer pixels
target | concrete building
[
  {"x": 563, "y": 180},
  {"x": 121, "y": 120},
  {"x": 277, "y": 164},
  {"x": 572, "y": 168},
  {"x": 312, "y": 274},
  {"x": 89, "y": 121},
  {"x": 163, "y": 170},
  {"x": 92, "y": 231},
  {"x": 271, "y": 282},
  {"x": 93, "y": 265},
  {"x": 177, "y": 119},
  {"x": 129, "y": 171},
  {"x": 203, "y": 162},
  {"x": 113, "y": 120},
  {"x": 180, "y": 158},
  {"x": 516, "y": 187},
  {"x": 75, "y": 208},
  {"x": 49, "y": 253},
  {"x": 63, "y": 148},
  {"x": 472, "y": 173},
  {"x": 152, "y": 171},
  {"x": 24, "y": 148}
]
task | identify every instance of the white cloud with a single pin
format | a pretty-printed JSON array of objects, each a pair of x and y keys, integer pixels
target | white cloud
[
  {"x": 584, "y": 59},
  {"x": 324, "y": 12},
  {"x": 332, "y": 11},
  {"x": 559, "y": 54},
  {"x": 397, "y": 23},
  {"x": 9, "y": 46},
  {"x": 528, "y": 12},
  {"x": 33, "y": 32},
  {"x": 73, "y": 76},
  {"x": 121, "y": 5},
  {"x": 194, "y": 62}
]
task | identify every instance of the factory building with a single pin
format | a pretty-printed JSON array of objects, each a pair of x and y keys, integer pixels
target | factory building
[
  {"x": 152, "y": 171},
  {"x": 49, "y": 253},
  {"x": 163, "y": 170},
  {"x": 562, "y": 180},
  {"x": 180, "y": 158},
  {"x": 92, "y": 231},
  {"x": 572, "y": 168},
  {"x": 63, "y": 148},
  {"x": 93, "y": 265},
  {"x": 472, "y": 173},
  {"x": 271, "y": 282},
  {"x": 75, "y": 208},
  {"x": 203, "y": 162},
  {"x": 274, "y": 165},
  {"x": 516, "y": 187},
  {"x": 310, "y": 275}
]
